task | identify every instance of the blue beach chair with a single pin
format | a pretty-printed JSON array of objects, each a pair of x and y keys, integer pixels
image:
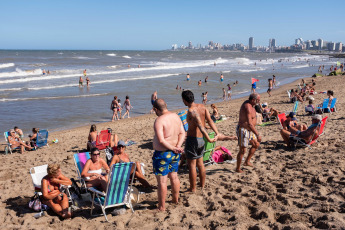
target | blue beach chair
[
  {"x": 42, "y": 138},
  {"x": 80, "y": 161},
  {"x": 295, "y": 107},
  {"x": 119, "y": 188},
  {"x": 183, "y": 117},
  {"x": 324, "y": 105},
  {"x": 9, "y": 146}
]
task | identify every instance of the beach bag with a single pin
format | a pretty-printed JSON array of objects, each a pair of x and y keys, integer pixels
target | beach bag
[
  {"x": 35, "y": 203},
  {"x": 217, "y": 156}
]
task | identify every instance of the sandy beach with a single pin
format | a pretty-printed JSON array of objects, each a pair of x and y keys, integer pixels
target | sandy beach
[{"x": 302, "y": 189}]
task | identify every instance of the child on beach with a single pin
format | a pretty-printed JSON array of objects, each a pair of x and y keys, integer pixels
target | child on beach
[{"x": 119, "y": 109}]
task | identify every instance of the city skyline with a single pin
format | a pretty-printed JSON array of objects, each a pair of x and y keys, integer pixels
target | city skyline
[{"x": 138, "y": 25}]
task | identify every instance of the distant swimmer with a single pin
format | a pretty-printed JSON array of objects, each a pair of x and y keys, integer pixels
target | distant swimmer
[
  {"x": 139, "y": 66},
  {"x": 84, "y": 72},
  {"x": 188, "y": 77},
  {"x": 129, "y": 66},
  {"x": 44, "y": 72},
  {"x": 206, "y": 79},
  {"x": 221, "y": 77},
  {"x": 48, "y": 72},
  {"x": 177, "y": 87},
  {"x": 199, "y": 83},
  {"x": 87, "y": 81},
  {"x": 81, "y": 81},
  {"x": 214, "y": 64}
]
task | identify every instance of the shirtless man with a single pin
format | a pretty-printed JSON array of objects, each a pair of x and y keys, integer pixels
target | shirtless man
[
  {"x": 306, "y": 135},
  {"x": 194, "y": 148},
  {"x": 81, "y": 82},
  {"x": 274, "y": 81},
  {"x": 153, "y": 99},
  {"x": 169, "y": 136},
  {"x": 246, "y": 132},
  {"x": 270, "y": 86},
  {"x": 84, "y": 72}
]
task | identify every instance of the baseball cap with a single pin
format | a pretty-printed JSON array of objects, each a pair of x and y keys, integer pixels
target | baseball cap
[
  {"x": 292, "y": 115},
  {"x": 317, "y": 117},
  {"x": 121, "y": 143}
]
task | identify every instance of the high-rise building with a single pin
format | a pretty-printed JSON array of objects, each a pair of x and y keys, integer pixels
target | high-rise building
[
  {"x": 320, "y": 43},
  {"x": 174, "y": 47},
  {"x": 190, "y": 45},
  {"x": 274, "y": 43},
  {"x": 339, "y": 47},
  {"x": 331, "y": 46},
  {"x": 251, "y": 43}
]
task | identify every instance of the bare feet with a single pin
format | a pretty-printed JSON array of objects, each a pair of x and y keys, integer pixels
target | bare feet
[
  {"x": 161, "y": 209},
  {"x": 190, "y": 191},
  {"x": 248, "y": 164}
]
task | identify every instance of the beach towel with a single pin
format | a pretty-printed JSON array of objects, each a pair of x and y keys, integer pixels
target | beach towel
[{"x": 183, "y": 117}]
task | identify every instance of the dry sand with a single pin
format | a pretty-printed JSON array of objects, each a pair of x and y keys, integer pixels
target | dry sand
[{"x": 299, "y": 189}]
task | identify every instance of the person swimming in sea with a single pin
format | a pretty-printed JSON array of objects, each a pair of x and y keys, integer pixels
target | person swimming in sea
[
  {"x": 221, "y": 77},
  {"x": 188, "y": 77}
]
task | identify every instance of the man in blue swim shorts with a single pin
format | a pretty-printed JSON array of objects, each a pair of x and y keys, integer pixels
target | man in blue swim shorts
[
  {"x": 194, "y": 148},
  {"x": 167, "y": 142}
]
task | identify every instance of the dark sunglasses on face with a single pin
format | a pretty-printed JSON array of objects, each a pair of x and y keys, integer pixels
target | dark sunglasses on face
[{"x": 96, "y": 154}]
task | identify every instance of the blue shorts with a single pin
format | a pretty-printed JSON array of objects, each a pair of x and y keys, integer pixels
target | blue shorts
[{"x": 165, "y": 162}]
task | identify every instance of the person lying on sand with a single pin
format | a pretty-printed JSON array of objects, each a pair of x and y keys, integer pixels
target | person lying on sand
[
  {"x": 306, "y": 135},
  {"x": 122, "y": 157},
  {"x": 51, "y": 195},
  {"x": 92, "y": 171}
]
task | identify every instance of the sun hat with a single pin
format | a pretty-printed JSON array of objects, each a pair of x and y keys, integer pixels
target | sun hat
[
  {"x": 292, "y": 115},
  {"x": 121, "y": 143},
  {"x": 317, "y": 117}
]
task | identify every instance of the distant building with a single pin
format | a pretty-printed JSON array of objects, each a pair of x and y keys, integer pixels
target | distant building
[
  {"x": 320, "y": 43},
  {"x": 251, "y": 43},
  {"x": 338, "y": 47},
  {"x": 190, "y": 45},
  {"x": 331, "y": 46},
  {"x": 174, "y": 47}
]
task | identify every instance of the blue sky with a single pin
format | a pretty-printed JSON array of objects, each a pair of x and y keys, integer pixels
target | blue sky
[{"x": 156, "y": 25}]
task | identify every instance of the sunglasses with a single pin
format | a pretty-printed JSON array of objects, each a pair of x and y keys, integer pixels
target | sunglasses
[{"x": 96, "y": 154}]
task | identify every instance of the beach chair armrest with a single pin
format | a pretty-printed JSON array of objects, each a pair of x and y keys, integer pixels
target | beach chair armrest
[{"x": 92, "y": 189}]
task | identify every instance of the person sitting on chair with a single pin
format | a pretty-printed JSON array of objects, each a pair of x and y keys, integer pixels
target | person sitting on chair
[
  {"x": 269, "y": 113},
  {"x": 51, "y": 194},
  {"x": 33, "y": 136},
  {"x": 215, "y": 114},
  {"x": 92, "y": 171},
  {"x": 291, "y": 121},
  {"x": 92, "y": 137},
  {"x": 306, "y": 135},
  {"x": 15, "y": 142},
  {"x": 122, "y": 157}
]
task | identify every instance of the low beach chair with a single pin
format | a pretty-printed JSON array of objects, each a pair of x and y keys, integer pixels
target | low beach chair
[
  {"x": 37, "y": 173},
  {"x": 42, "y": 138},
  {"x": 209, "y": 148},
  {"x": 302, "y": 143},
  {"x": 183, "y": 117},
  {"x": 9, "y": 148},
  {"x": 79, "y": 161},
  {"x": 119, "y": 188},
  {"x": 103, "y": 139},
  {"x": 324, "y": 105},
  {"x": 281, "y": 119}
]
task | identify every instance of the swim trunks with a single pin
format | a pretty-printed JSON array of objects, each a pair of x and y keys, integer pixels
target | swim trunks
[
  {"x": 244, "y": 136},
  {"x": 254, "y": 86},
  {"x": 221, "y": 79},
  {"x": 152, "y": 101},
  {"x": 165, "y": 162},
  {"x": 194, "y": 147}
]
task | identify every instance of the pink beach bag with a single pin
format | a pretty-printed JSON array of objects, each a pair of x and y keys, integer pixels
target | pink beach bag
[{"x": 217, "y": 156}]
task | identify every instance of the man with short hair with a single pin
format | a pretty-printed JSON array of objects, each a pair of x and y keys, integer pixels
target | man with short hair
[
  {"x": 306, "y": 135},
  {"x": 194, "y": 147},
  {"x": 167, "y": 142},
  {"x": 246, "y": 132}
]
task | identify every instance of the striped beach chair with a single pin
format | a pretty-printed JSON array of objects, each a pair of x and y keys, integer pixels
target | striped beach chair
[
  {"x": 183, "y": 117},
  {"x": 119, "y": 188},
  {"x": 79, "y": 161}
]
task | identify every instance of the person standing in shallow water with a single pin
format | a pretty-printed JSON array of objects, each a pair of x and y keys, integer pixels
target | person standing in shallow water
[{"x": 246, "y": 132}]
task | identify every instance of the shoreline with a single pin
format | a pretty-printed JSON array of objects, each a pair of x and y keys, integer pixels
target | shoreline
[{"x": 286, "y": 189}]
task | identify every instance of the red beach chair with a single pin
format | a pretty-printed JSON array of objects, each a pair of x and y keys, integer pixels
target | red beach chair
[{"x": 103, "y": 139}]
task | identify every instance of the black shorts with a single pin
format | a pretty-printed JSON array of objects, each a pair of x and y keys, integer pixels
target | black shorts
[{"x": 194, "y": 147}]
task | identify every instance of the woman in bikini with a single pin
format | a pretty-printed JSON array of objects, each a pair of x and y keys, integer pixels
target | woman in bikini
[
  {"x": 122, "y": 157},
  {"x": 113, "y": 106},
  {"x": 92, "y": 171},
  {"x": 92, "y": 137},
  {"x": 127, "y": 106},
  {"x": 51, "y": 195}
]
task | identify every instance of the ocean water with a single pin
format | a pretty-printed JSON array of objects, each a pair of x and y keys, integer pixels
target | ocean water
[{"x": 30, "y": 99}]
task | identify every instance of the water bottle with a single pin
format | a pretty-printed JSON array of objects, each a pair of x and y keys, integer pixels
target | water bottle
[{"x": 38, "y": 215}]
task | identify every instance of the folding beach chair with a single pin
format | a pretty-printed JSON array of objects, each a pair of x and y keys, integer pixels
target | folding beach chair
[
  {"x": 42, "y": 138},
  {"x": 295, "y": 107},
  {"x": 281, "y": 119},
  {"x": 324, "y": 105},
  {"x": 209, "y": 148},
  {"x": 80, "y": 161},
  {"x": 289, "y": 94},
  {"x": 37, "y": 173},
  {"x": 103, "y": 139},
  {"x": 119, "y": 188},
  {"x": 183, "y": 117},
  {"x": 302, "y": 143},
  {"x": 9, "y": 145}
]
